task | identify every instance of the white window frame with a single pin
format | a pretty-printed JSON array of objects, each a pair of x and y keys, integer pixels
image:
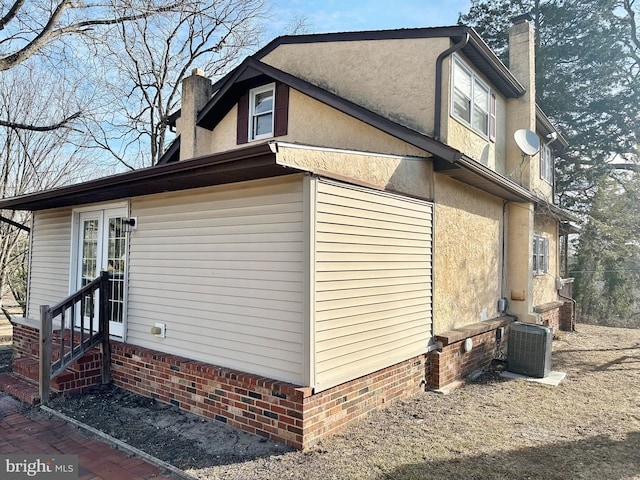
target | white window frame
[
  {"x": 253, "y": 93},
  {"x": 540, "y": 255},
  {"x": 546, "y": 164},
  {"x": 476, "y": 83}
]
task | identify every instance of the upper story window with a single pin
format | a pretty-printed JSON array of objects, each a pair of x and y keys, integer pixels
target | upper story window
[
  {"x": 540, "y": 255},
  {"x": 546, "y": 164},
  {"x": 263, "y": 112},
  {"x": 261, "y": 109},
  {"x": 472, "y": 101}
]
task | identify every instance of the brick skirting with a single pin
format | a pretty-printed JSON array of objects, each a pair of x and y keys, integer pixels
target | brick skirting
[
  {"x": 451, "y": 363},
  {"x": 79, "y": 376},
  {"x": 26, "y": 341},
  {"x": 560, "y": 316},
  {"x": 283, "y": 412},
  {"x": 286, "y": 413}
]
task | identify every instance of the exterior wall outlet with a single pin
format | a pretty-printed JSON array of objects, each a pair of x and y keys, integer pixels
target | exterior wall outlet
[{"x": 159, "y": 330}]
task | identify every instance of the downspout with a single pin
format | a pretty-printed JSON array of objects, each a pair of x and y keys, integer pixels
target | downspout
[
  {"x": 503, "y": 260},
  {"x": 438, "y": 100},
  {"x": 574, "y": 312}
]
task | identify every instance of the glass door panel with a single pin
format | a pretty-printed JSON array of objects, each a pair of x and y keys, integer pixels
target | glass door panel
[
  {"x": 116, "y": 253},
  {"x": 102, "y": 246},
  {"x": 88, "y": 259}
]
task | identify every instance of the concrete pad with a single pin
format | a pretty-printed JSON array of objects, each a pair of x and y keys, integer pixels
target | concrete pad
[{"x": 553, "y": 379}]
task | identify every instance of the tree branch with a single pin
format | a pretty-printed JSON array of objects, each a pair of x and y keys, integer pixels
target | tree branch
[
  {"x": 39, "y": 41},
  {"x": 635, "y": 40},
  {"x": 11, "y": 14},
  {"x": 50, "y": 32},
  {"x": 40, "y": 128}
]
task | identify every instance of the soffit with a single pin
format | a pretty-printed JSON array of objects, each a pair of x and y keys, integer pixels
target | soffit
[
  {"x": 477, "y": 175},
  {"x": 250, "y": 163}
]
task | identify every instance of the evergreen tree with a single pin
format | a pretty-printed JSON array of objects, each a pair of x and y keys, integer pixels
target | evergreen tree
[
  {"x": 607, "y": 269},
  {"x": 587, "y": 81}
]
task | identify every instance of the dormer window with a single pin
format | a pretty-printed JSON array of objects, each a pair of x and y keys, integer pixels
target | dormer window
[
  {"x": 263, "y": 112},
  {"x": 261, "y": 107},
  {"x": 471, "y": 99}
]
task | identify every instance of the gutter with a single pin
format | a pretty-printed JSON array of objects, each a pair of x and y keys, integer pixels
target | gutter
[
  {"x": 192, "y": 173},
  {"x": 438, "y": 100}
]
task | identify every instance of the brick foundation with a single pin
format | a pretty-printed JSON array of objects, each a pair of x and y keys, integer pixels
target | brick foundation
[
  {"x": 332, "y": 410},
  {"x": 567, "y": 317},
  {"x": 26, "y": 341},
  {"x": 286, "y": 413},
  {"x": 560, "y": 316},
  {"x": 79, "y": 376},
  {"x": 450, "y": 362},
  {"x": 283, "y": 412}
]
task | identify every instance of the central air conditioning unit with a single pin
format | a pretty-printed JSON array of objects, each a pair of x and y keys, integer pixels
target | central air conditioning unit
[{"x": 529, "y": 351}]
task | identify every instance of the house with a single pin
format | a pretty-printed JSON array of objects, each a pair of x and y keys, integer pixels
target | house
[{"x": 343, "y": 220}]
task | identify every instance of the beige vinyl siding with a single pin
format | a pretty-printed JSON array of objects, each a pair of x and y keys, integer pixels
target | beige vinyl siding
[
  {"x": 222, "y": 267},
  {"x": 49, "y": 267},
  {"x": 372, "y": 281}
]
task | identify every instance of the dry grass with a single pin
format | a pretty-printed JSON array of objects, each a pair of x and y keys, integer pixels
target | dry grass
[{"x": 587, "y": 428}]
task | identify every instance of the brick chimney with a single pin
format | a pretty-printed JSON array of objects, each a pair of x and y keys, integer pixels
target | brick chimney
[
  {"x": 196, "y": 91},
  {"x": 521, "y": 111}
]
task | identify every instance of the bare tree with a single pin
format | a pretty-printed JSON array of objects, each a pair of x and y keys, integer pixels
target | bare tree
[
  {"x": 41, "y": 28},
  {"x": 30, "y": 160},
  {"x": 144, "y": 63}
]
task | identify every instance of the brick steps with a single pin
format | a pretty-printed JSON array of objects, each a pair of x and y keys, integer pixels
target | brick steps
[
  {"x": 23, "y": 381},
  {"x": 21, "y": 388},
  {"x": 29, "y": 369},
  {"x": 34, "y": 350}
]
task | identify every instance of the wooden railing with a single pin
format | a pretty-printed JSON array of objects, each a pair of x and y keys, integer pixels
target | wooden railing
[{"x": 80, "y": 331}]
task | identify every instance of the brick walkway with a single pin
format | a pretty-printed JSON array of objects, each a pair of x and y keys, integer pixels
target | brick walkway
[{"x": 96, "y": 459}]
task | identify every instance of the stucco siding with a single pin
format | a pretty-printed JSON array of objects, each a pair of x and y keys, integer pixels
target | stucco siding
[
  {"x": 50, "y": 251},
  {"x": 462, "y": 137},
  {"x": 372, "y": 281},
  {"x": 400, "y": 78},
  {"x": 222, "y": 268},
  {"x": 467, "y": 254},
  {"x": 409, "y": 175},
  {"x": 544, "y": 286},
  {"x": 314, "y": 123}
]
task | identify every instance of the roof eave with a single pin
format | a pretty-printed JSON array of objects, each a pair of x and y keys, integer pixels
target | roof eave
[
  {"x": 491, "y": 65},
  {"x": 473, "y": 173},
  {"x": 544, "y": 124},
  {"x": 249, "y": 163}
]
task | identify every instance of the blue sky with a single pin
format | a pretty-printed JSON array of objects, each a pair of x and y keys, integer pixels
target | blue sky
[{"x": 347, "y": 15}]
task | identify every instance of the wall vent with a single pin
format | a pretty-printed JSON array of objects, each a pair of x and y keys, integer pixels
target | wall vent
[{"x": 529, "y": 351}]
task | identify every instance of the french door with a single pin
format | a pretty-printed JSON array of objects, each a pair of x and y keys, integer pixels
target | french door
[{"x": 102, "y": 245}]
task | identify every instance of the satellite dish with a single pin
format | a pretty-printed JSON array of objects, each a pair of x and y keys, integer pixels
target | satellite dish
[{"x": 527, "y": 141}]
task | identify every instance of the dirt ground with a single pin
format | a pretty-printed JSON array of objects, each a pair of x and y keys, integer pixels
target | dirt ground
[{"x": 586, "y": 428}]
